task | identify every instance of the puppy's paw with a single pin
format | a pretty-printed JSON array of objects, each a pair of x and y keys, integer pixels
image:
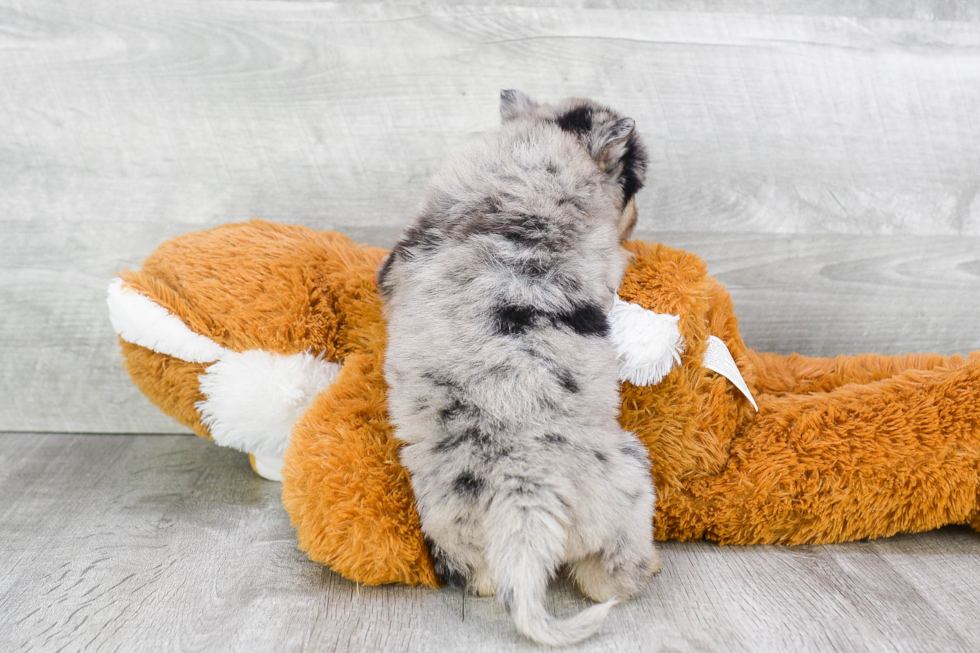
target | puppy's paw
[
  {"x": 593, "y": 579},
  {"x": 655, "y": 564},
  {"x": 481, "y": 585}
]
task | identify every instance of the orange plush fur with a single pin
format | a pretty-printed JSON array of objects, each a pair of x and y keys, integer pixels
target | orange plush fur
[{"x": 841, "y": 449}]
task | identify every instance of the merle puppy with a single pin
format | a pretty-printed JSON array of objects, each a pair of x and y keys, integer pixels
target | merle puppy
[{"x": 503, "y": 384}]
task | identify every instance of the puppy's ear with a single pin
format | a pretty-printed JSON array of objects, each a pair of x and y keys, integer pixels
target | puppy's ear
[
  {"x": 602, "y": 132},
  {"x": 609, "y": 141},
  {"x": 514, "y": 103},
  {"x": 617, "y": 148},
  {"x": 616, "y": 132}
]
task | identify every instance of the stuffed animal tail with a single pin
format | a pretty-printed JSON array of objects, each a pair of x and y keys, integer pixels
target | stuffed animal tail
[
  {"x": 524, "y": 547},
  {"x": 141, "y": 321},
  {"x": 251, "y": 398}
]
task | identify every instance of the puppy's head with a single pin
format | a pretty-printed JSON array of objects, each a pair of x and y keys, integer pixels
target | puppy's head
[{"x": 609, "y": 137}]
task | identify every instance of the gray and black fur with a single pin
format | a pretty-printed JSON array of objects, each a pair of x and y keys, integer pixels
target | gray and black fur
[{"x": 503, "y": 384}]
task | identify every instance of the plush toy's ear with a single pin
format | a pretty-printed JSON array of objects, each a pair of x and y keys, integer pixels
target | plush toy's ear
[
  {"x": 514, "y": 103},
  {"x": 648, "y": 345}
]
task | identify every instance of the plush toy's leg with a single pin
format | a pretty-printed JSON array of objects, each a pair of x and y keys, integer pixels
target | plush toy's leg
[
  {"x": 348, "y": 497},
  {"x": 795, "y": 374},
  {"x": 864, "y": 460},
  {"x": 252, "y": 399},
  {"x": 268, "y": 467}
]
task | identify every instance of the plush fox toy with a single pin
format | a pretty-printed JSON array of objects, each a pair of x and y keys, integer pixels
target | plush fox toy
[{"x": 269, "y": 338}]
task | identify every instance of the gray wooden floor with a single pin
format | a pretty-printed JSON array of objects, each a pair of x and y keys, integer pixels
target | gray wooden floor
[
  {"x": 124, "y": 543},
  {"x": 823, "y": 156}
]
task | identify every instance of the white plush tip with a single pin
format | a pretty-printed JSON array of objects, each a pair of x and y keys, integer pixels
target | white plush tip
[
  {"x": 269, "y": 467},
  {"x": 254, "y": 397},
  {"x": 647, "y": 344},
  {"x": 141, "y": 321}
]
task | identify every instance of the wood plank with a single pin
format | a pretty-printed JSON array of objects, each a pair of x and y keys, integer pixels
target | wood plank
[
  {"x": 824, "y": 295},
  {"x": 789, "y": 123},
  {"x": 130, "y": 542},
  {"x": 948, "y": 10}
]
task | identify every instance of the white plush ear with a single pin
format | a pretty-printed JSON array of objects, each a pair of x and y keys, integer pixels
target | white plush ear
[{"x": 647, "y": 344}]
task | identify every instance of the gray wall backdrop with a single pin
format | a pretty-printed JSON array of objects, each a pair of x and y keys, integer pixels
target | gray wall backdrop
[{"x": 822, "y": 156}]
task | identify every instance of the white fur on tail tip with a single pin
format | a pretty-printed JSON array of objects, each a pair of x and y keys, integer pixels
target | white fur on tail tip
[
  {"x": 647, "y": 344},
  {"x": 547, "y": 630},
  {"x": 254, "y": 397},
  {"x": 141, "y": 321}
]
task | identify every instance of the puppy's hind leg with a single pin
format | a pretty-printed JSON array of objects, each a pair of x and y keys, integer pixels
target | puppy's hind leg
[
  {"x": 627, "y": 559},
  {"x": 450, "y": 571},
  {"x": 627, "y": 556},
  {"x": 593, "y": 578},
  {"x": 656, "y": 564},
  {"x": 481, "y": 580},
  {"x": 632, "y": 558}
]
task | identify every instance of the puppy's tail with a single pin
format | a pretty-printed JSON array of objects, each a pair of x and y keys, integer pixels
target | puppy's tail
[{"x": 524, "y": 546}]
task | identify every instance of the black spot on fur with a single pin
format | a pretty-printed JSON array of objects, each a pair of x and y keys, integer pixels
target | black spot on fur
[
  {"x": 567, "y": 381},
  {"x": 554, "y": 438},
  {"x": 450, "y": 577},
  {"x": 487, "y": 447},
  {"x": 526, "y": 230},
  {"x": 516, "y": 320},
  {"x": 524, "y": 486},
  {"x": 460, "y": 437},
  {"x": 448, "y": 573},
  {"x": 551, "y": 169},
  {"x": 420, "y": 405},
  {"x": 634, "y": 168},
  {"x": 513, "y": 320},
  {"x": 578, "y": 121},
  {"x": 636, "y": 452},
  {"x": 577, "y": 202},
  {"x": 441, "y": 381},
  {"x": 420, "y": 237},
  {"x": 455, "y": 409},
  {"x": 601, "y": 457},
  {"x": 585, "y": 320},
  {"x": 490, "y": 206},
  {"x": 529, "y": 229},
  {"x": 383, "y": 272},
  {"x": 447, "y": 443},
  {"x": 467, "y": 484}
]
